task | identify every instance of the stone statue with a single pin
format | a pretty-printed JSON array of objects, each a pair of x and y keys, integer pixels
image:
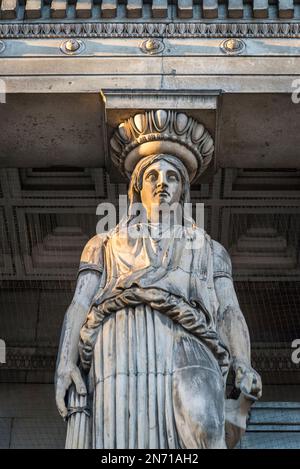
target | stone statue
[{"x": 155, "y": 324}]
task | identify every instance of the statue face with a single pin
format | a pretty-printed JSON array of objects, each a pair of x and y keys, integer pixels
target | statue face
[{"x": 161, "y": 185}]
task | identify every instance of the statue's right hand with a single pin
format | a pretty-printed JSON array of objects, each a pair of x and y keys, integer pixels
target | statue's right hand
[{"x": 65, "y": 376}]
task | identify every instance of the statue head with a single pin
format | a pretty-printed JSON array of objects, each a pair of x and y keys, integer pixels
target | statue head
[
  {"x": 158, "y": 181},
  {"x": 161, "y": 184},
  {"x": 154, "y": 172}
]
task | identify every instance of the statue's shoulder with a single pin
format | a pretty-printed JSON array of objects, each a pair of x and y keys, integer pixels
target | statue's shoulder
[
  {"x": 92, "y": 254},
  {"x": 93, "y": 247},
  {"x": 221, "y": 260}
]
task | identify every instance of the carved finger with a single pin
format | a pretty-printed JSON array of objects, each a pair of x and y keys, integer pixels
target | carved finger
[
  {"x": 238, "y": 377},
  {"x": 246, "y": 383},
  {"x": 60, "y": 402},
  {"x": 257, "y": 386},
  {"x": 78, "y": 381}
]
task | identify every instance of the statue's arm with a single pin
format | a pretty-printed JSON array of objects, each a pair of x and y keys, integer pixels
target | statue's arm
[
  {"x": 66, "y": 367},
  {"x": 232, "y": 326},
  {"x": 88, "y": 283}
]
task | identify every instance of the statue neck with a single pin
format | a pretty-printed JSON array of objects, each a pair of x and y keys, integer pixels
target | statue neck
[{"x": 158, "y": 217}]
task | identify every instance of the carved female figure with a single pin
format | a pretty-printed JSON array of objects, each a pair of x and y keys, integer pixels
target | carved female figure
[{"x": 155, "y": 323}]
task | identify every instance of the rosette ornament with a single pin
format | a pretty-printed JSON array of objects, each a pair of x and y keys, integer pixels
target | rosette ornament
[{"x": 155, "y": 132}]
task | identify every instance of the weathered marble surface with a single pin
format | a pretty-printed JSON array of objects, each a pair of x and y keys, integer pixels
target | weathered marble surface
[{"x": 155, "y": 324}]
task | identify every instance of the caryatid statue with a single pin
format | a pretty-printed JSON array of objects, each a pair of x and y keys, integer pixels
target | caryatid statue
[{"x": 155, "y": 324}]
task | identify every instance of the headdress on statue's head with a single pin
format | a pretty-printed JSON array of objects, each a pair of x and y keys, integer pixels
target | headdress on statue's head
[{"x": 156, "y": 132}]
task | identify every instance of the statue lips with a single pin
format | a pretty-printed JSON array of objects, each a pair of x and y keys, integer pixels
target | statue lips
[{"x": 162, "y": 193}]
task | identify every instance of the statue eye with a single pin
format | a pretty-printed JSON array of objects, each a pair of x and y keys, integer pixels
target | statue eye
[
  {"x": 151, "y": 177},
  {"x": 173, "y": 177}
]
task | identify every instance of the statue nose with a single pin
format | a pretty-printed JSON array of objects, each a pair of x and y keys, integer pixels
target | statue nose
[{"x": 162, "y": 182}]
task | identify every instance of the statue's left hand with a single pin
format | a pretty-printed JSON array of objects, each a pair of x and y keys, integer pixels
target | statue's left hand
[
  {"x": 247, "y": 380},
  {"x": 64, "y": 377}
]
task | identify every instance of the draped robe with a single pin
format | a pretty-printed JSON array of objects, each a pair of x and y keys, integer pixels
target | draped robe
[{"x": 155, "y": 366}]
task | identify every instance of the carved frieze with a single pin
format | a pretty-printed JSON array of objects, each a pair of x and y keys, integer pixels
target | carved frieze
[{"x": 159, "y": 30}]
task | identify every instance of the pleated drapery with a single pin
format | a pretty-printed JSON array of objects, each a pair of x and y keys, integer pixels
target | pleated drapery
[
  {"x": 151, "y": 385},
  {"x": 79, "y": 422},
  {"x": 132, "y": 374}
]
